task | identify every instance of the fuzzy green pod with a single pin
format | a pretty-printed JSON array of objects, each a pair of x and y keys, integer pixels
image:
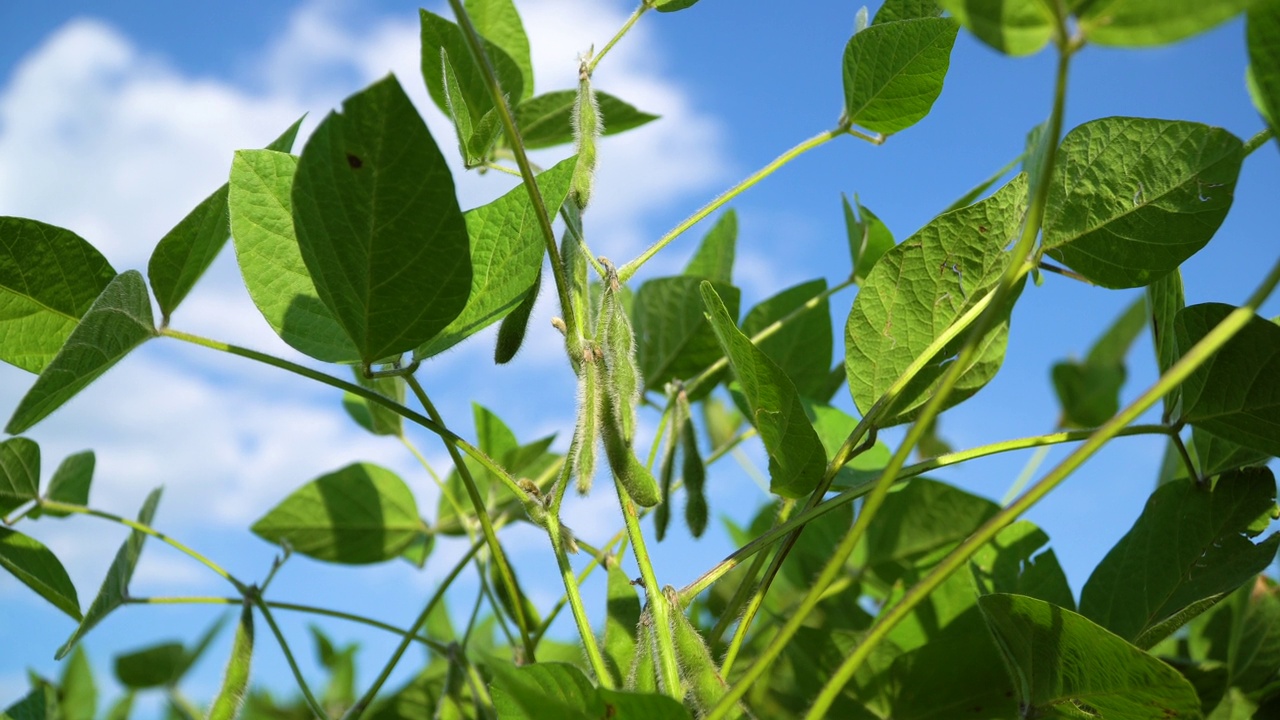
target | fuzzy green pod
[
  {"x": 634, "y": 476},
  {"x": 586, "y": 131},
  {"x": 679, "y": 416},
  {"x": 226, "y": 706},
  {"x": 586, "y": 435},
  {"x": 514, "y": 326},
  {"x": 573, "y": 258},
  {"x": 643, "y": 675},
  {"x": 695, "y": 479},
  {"x": 703, "y": 684},
  {"x": 622, "y": 382}
]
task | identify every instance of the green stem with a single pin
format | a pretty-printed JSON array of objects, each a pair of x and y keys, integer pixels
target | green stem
[
  {"x": 600, "y": 555},
  {"x": 146, "y": 530},
  {"x": 1064, "y": 272},
  {"x": 1180, "y": 371},
  {"x": 1258, "y": 141},
  {"x": 516, "y": 144},
  {"x": 486, "y": 523},
  {"x": 668, "y": 669},
  {"x": 595, "y": 60},
  {"x": 603, "y": 678},
  {"x": 1192, "y": 472},
  {"x": 448, "y": 436},
  {"x": 775, "y": 534},
  {"x": 740, "y": 595},
  {"x": 310, "y": 697},
  {"x": 365, "y": 700},
  {"x": 626, "y": 271}
]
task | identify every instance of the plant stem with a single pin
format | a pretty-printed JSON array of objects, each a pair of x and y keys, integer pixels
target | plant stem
[
  {"x": 1258, "y": 141},
  {"x": 668, "y": 669},
  {"x": 486, "y": 523},
  {"x": 1179, "y": 371},
  {"x": 600, "y": 556},
  {"x": 626, "y": 271},
  {"x": 740, "y": 595},
  {"x": 522, "y": 160},
  {"x": 365, "y": 700},
  {"x": 595, "y": 60},
  {"x": 1064, "y": 272},
  {"x": 1192, "y": 472},
  {"x": 146, "y": 530},
  {"x": 555, "y": 531},
  {"x": 310, "y": 697}
]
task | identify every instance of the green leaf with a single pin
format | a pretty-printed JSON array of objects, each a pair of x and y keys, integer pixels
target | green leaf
[
  {"x": 1236, "y": 395},
  {"x": 460, "y": 114},
  {"x": 1014, "y": 27},
  {"x": 1139, "y": 23},
  {"x": 869, "y": 238},
  {"x": 197, "y": 649},
  {"x": 673, "y": 5},
  {"x": 357, "y": 515},
  {"x": 506, "y": 250},
  {"x": 378, "y": 223},
  {"x": 38, "y": 568},
  {"x": 48, "y": 279},
  {"x": 1132, "y": 198},
  {"x": 77, "y": 694},
  {"x": 802, "y": 348},
  {"x": 1165, "y": 299},
  {"x": 834, "y": 427},
  {"x": 713, "y": 260},
  {"x": 187, "y": 251},
  {"x": 893, "y": 72},
  {"x": 1262, "y": 32},
  {"x": 918, "y": 289},
  {"x": 621, "y": 618},
  {"x": 1089, "y": 390},
  {"x": 893, "y": 10},
  {"x": 796, "y": 456},
  {"x": 70, "y": 482},
  {"x": 1063, "y": 665},
  {"x": 440, "y": 34},
  {"x": 498, "y": 22},
  {"x": 1215, "y": 455},
  {"x": 1188, "y": 549},
  {"x": 674, "y": 340},
  {"x": 920, "y": 518},
  {"x": 261, "y": 206},
  {"x": 119, "y": 321},
  {"x": 1019, "y": 561},
  {"x": 115, "y": 587},
  {"x": 19, "y": 473},
  {"x": 39, "y": 704},
  {"x": 154, "y": 666},
  {"x": 547, "y": 120},
  {"x": 558, "y": 691},
  {"x": 372, "y": 416}
]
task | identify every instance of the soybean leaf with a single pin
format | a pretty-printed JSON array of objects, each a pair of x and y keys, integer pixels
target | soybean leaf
[
  {"x": 1138, "y": 23},
  {"x": 378, "y": 223},
  {"x": 1014, "y": 27},
  {"x": 460, "y": 114},
  {"x": 906, "y": 10},
  {"x": 802, "y": 348},
  {"x": 1188, "y": 549},
  {"x": 713, "y": 259},
  {"x": 48, "y": 279},
  {"x": 1165, "y": 299},
  {"x": 1262, "y": 32},
  {"x": 796, "y": 456},
  {"x": 1132, "y": 198},
  {"x": 70, "y": 483},
  {"x": 372, "y": 416},
  {"x": 1236, "y": 395},
  {"x": 39, "y": 569},
  {"x": 186, "y": 251},
  {"x": 674, "y": 340},
  {"x": 357, "y": 515},
  {"x": 507, "y": 602},
  {"x": 1215, "y": 455},
  {"x": 957, "y": 673},
  {"x": 922, "y": 517},
  {"x": 115, "y": 587},
  {"x": 621, "y": 617},
  {"x": 559, "y": 691},
  {"x": 498, "y": 22},
  {"x": 440, "y": 34},
  {"x": 547, "y": 120},
  {"x": 673, "y": 5},
  {"x": 1019, "y": 561},
  {"x": 39, "y": 704},
  {"x": 893, "y": 72},
  {"x": 119, "y": 321},
  {"x": 19, "y": 473},
  {"x": 153, "y": 666},
  {"x": 506, "y": 254},
  {"x": 77, "y": 694},
  {"x": 869, "y": 238},
  {"x": 834, "y": 427},
  {"x": 1089, "y": 390},
  {"x": 918, "y": 289},
  {"x": 261, "y": 207},
  {"x": 192, "y": 654},
  {"x": 1060, "y": 661}
]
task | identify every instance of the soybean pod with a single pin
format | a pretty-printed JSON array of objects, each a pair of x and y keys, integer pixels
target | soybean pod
[
  {"x": 702, "y": 681},
  {"x": 586, "y": 131},
  {"x": 235, "y": 681},
  {"x": 643, "y": 675}
]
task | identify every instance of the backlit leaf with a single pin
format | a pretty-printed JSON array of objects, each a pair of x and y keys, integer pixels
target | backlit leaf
[
  {"x": 802, "y": 347},
  {"x": 1139, "y": 23},
  {"x": 674, "y": 340},
  {"x": 153, "y": 666},
  {"x": 906, "y": 10},
  {"x": 498, "y": 22},
  {"x": 1014, "y": 27},
  {"x": 1132, "y": 198},
  {"x": 19, "y": 473},
  {"x": 377, "y": 419},
  {"x": 893, "y": 72},
  {"x": 796, "y": 456},
  {"x": 48, "y": 279},
  {"x": 39, "y": 569},
  {"x": 119, "y": 321},
  {"x": 70, "y": 482},
  {"x": 77, "y": 694},
  {"x": 1262, "y": 32},
  {"x": 439, "y": 34},
  {"x": 869, "y": 238},
  {"x": 1165, "y": 299},
  {"x": 378, "y": 223},
  {"x": 357, "y": 515},
  {"x": 546, "y": 120}
]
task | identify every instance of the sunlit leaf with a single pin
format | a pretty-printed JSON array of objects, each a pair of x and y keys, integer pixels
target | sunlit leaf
[
  {"x": 893, "y": 72},
  {"x": 38, "y": 568},
  {"x": 674, "y": 340},
  {"x": 1014, "y": 27},
  {"x": 546, "y": 120},
  {"x": 1139, "y": 23}
]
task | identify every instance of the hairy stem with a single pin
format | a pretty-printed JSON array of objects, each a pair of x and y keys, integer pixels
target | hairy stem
[
  {"x": 668, "y": 669},
  {"x": 595, "y": 60}
]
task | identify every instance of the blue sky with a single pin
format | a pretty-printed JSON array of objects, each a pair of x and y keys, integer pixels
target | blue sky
[{"x": 117, "y": 117}]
